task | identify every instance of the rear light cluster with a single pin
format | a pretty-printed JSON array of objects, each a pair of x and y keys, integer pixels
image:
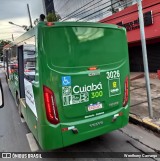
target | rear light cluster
[
  {"x": 92, "y": 68},
  {"x": 126, "y": 92},
  {"x": 50, "y": 24},
  {"x": 50, "y": 106}
]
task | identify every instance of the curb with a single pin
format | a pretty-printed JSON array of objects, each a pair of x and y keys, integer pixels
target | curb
[{"x": 146, "y": 122}]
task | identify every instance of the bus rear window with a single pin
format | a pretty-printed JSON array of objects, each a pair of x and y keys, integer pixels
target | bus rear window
[{"x": 84, "y": 46}]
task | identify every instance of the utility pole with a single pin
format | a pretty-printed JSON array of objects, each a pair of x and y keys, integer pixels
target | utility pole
[
  {"x": 12, "y": 37},
  {"x": 29, "y": 14},
  {"x": 145, "y": 59}
]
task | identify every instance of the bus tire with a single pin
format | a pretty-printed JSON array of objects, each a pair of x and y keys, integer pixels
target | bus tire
[{"x": 18, "y": 104}]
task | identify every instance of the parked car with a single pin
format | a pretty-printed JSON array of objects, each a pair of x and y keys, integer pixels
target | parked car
[{"x": 1, "y": 64}]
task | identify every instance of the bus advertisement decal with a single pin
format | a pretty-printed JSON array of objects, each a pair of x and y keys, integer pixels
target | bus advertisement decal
[
  {"x": 93, "y": 87},
  {"x": 75, "y": 99},
  {"x": 66, "y": 81},
  {"x": 30, "y": 96},
  {"x": 67, "y": 90},
  {"x": 113, "y": 74},
  {"x": 93, "y": 107},
  {"x": 79, "y": 94},
  {"x": 94, "y": 73},
  {"x": 114, "y": 87}
]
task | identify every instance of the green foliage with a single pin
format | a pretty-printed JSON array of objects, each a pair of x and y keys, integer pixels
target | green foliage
[
  {"x": 2, "y": 44},
  {"x": 51, "y": 17}
]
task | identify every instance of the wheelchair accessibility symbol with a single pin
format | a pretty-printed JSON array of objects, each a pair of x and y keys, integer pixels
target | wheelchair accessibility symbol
[{"x": 66, "y": 81}]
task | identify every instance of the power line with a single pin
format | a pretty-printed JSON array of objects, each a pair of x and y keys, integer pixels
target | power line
[
  {"x": 91, "y": 18},
  {"x": 81, "y": 12},
  {"x": 107, "y": 11},
  {"x": 64, "y": 4},
  {"x": 97, "y": 11},
  {"x": 78, "y": 9},
  {"x": 131, "y": 12},
  {"x": 57, "y": 2}
]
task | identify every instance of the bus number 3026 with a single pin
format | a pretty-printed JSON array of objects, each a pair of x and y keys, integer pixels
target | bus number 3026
[{"x": 113, "y": 74}]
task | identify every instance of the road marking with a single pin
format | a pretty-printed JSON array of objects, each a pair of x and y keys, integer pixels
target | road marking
[
  {"x": 32, "y": 142},
  {"x": 22, "y": 120}
]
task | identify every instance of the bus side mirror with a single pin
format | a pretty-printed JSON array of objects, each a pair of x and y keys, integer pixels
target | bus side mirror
[{"x": 1, "y": 95}]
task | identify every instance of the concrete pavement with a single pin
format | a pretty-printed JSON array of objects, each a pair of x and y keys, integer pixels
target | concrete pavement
[{"x": 139, "y": 106}]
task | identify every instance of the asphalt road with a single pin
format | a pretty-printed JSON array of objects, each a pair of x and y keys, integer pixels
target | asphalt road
[{"x": 129, "y": 139}]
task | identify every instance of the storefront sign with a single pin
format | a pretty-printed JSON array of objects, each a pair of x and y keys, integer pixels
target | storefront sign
[{"x": 132, "y": 25}]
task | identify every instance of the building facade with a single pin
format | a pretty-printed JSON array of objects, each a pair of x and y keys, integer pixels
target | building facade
[
  {"x": 123, "y": 13},
  {"x": 86, "y": 10},
  {"x": 128, "y": 18}
]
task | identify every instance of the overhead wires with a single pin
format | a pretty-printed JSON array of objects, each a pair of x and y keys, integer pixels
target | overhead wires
[{"x": 89, "y": 10}]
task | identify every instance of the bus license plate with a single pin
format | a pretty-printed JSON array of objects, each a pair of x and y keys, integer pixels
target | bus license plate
[{"x": 93, "y": 107}]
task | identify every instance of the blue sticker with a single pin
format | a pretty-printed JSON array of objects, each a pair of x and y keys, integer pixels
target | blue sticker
[{"x": 66, "y": 81}]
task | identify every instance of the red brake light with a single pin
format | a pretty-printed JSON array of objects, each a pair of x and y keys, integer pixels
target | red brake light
[
  {"x": 92, "y": 68},
  {"x": 126, "y": 91},
  {"x": 50, "y": 23},
  {"x": 50, "y": 105}
]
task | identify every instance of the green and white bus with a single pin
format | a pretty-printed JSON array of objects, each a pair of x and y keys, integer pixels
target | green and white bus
[{"x": 70, "y": 81}]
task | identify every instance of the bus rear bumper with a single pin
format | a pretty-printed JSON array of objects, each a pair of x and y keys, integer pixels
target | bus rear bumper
[
  {"x": 89, "y": 128},
  {"x": 64, "y": 134}
]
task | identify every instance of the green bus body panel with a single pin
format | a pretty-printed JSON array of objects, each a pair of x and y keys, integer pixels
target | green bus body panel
[
  {"x": 86, "y": 132},
  {"x": 50, "y": 137},
  {"x": 69, "y": 50},
  {"x": 66, "y": 54},
  {"x": 32, "y": 122}
]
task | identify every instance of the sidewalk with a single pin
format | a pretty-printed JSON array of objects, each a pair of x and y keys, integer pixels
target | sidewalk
[{"x": 139, "y": 106}]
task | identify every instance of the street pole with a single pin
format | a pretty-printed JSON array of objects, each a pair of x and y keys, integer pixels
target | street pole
[
  {"x": 29, "y": 14},
  {"x": 145, "y": 59},
  {"x": 12, "y": 37},
  {"x": 24, "y": 26},
  {"x": 15, "y": 24}
]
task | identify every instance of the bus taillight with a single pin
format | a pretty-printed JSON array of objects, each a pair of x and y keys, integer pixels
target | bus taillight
[
  {"x": 126, "y": 91},
  {"x": 92, "y": 68},
  {"x": 50, "y": 105},
  {"x": 50, "y": 24}
]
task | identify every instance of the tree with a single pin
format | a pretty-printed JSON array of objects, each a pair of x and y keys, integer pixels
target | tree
[
  {"x": 2, "y": 44},
  {"x": 51, "y": 17}
]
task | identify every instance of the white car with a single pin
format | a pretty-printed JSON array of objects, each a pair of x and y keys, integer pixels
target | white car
[{"x": 1, "y": 64}]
